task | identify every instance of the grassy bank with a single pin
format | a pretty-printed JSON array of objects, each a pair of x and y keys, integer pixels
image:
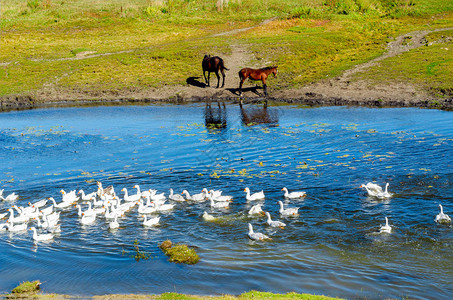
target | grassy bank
[
  {"x": 28, "y": 293},
  {"x": 89, "y": 46}
]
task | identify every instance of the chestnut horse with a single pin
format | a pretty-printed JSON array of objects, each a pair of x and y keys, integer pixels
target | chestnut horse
[
  {"x": 213, "y": 64},
  {"x": 256, "y": 74}
]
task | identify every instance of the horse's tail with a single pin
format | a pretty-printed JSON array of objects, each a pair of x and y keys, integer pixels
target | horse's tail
[{"x": 222, "y": 65}]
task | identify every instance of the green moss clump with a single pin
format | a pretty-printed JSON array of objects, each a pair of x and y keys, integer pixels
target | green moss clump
[
  {"x": 27, "y": 287},
  {"x": 179, "y": 253}
]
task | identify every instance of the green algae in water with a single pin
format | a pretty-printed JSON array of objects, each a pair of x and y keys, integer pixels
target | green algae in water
[
  {"x": 179, "y": 253},
  {"x": 27, "y": 287}
]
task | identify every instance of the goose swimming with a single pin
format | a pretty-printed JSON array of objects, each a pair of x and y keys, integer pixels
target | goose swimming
[
  {"x": 176, "y": 197},
  {"x": 87, "y": 197},
  {"x": 293, "y": 195},
  {"x": 208, "y": 217},
  {"x": 69, "y": 197},
  {"x": 224, "y": 204},
  {"x": 130, "y": 198},
  {"x": 197, "y": 197},
  {"x": 386, "y": 228},
  {"x": 384, "y": 194},
  {"x": 16, "y": 228},
  {"x": 87, "y": 220},
  {"x": 63, "y": 204},
  {"x": 441, "y": 217},
  {"x": 256, "y": 236},
  {"x": 151, "y": 222},
  {"x": 39, "y": 203},
  {"x": 254, "y": 196},
  {"x": 256, "y": 210},
  {"x": 287, "y": 211},
  {"x": 41, "y": 237},
  {"x": 11, "y": 197},
  {"x": 274, "y": 223},
  {"x": 114, "y": 224}
]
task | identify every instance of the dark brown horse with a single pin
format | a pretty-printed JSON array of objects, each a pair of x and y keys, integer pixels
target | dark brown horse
[
  {"x": 256, "y": 74},
  {"x": 213, "y": 64}
]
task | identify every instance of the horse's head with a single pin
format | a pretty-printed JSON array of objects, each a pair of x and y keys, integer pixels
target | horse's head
[
  {"x": 207, "y": 56},
  {"x": 274, "y": 71}
]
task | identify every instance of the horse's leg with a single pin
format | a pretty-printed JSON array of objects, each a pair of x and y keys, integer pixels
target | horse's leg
[
  {"x": 205, "y": 79},
  {"x": 264, "y": 87},
  {"x": 240, "y": 86},
  {"x": 218, "y": 78},
  {"x": 209, "y": 77},
  {"x": 223, "y": 77}
]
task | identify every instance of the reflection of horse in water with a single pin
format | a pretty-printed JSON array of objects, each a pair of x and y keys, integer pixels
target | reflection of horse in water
[
  {"x": 253, "y": 115},
  {"x": 215, "y": 117}
]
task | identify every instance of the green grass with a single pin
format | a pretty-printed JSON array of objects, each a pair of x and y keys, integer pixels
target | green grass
[
  {"x": 161, "y": 42},
  {"x": 428, "y": 67}
]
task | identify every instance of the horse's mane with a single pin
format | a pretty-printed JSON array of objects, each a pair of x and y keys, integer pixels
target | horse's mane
[{"x": 269, "y": 68}]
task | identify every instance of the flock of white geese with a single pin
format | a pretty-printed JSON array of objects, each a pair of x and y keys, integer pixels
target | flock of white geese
[{"x": 105, "y": 203}]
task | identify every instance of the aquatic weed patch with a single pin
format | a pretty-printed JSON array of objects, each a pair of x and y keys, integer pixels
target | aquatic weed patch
[
  {"x": 179, "y": 253},
  {"x": 27, "y": 287}
]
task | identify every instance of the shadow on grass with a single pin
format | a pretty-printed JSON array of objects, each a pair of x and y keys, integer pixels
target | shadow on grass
[{"x": 195, "y": 82}]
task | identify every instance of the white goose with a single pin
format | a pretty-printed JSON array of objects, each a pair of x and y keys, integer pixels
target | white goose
[
  {"x": 41, "y": 237},
  {"x": 293, "y": 195},
  {"x": 255, "y": 196},
  {"x": 274, "y": 223},
  {"x": 215, "y": 193},
  {"x": 46, "y": 211},
  {"x": 88, "y": 212},
  {"x": 216, "y": 196},
  {"x": 87, "y": 197},
  {"x": 109, "y": 215},
  {"x": 176, "y": 197},
  {"x": 39, "y": 203},
  {"x": 52, "y": 227},
  {"x": 384, "y": 194},
  {"x": 256, "y": 210},
  {"x": 164, "y": 207},
  {"x": 69, "y": 197},
  {"x": 142, "y": 209},
  {"x": 16, "y": 220},
  {"x": 63, "y": 204},
  {"x": 386, "y": 228},
  {"x": 11, "y": 197},
  {"x": 256, "y": 236},
  {"x": 87, "y": 220},
  {"x": 223, "y": 204},
  {"x": 208, "y": 217},
  {"x": 53, "y": 217},
  {"x": 142, "y": 194},
  {"x": 114, "y": 224},
  {"x": 157, "y": 197},
  {"x": 130, "y": 198},
  {"x": 441, "y": 217},
  {"x": 372, "y": 189},
  {"x": 288, "y": 211},
  {"x": 197, "y": 197},
  {"x": 151, "y": 222},
  {"x": 16, "y": 228},
  {"x": 29, "y": 211}
]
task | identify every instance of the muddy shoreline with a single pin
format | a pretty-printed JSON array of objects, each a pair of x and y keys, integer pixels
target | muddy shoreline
[{"x": 308, "y": 99}]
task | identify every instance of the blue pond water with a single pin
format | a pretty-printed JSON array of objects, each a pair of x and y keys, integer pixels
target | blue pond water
[{"x": 332, "y": 248}]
